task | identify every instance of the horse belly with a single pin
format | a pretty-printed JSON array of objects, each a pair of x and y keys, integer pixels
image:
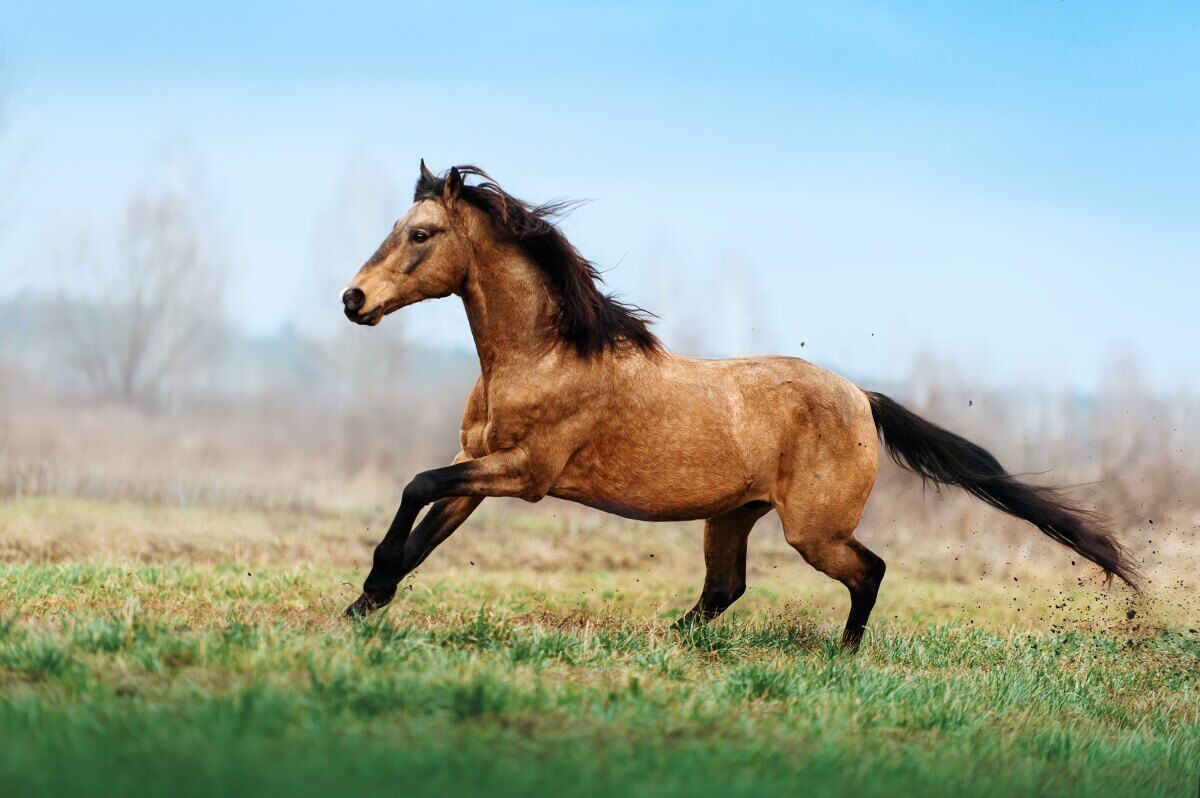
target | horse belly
[{"x": 662, "y": 482}]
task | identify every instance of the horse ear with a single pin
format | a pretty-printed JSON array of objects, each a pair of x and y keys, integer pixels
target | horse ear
[
  {"x": 427, "y": 177},
  {"x": 453, "y": 185}
]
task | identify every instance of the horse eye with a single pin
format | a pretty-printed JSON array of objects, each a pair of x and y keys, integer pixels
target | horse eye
[{"x": 419, "y": 236}]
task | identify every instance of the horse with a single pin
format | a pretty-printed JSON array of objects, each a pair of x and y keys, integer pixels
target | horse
[{"x": 578, "y": 399}]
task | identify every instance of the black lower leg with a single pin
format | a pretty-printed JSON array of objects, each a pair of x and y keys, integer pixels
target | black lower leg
[
  {"x": 387, "y": 565},
  {"x": 714, "y": 600},
  {"x": 443, "y": 518},
  {"x": 497, "y": 474},
  {"x": 862, "y": 597}
]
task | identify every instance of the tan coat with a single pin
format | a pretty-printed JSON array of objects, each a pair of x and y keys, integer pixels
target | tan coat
[{"x": 576, "y": 399}]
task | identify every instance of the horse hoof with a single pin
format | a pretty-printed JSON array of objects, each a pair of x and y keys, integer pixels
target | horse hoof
[
  {"x": 686, "y": 624},
  {"x": 363, "y": 606}
]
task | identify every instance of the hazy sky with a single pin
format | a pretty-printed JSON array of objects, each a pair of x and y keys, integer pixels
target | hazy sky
[{"x": 1015, "y": 185}]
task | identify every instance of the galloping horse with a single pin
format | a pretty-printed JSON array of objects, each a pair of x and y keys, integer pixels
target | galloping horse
[{"x": 579, "y": 400}]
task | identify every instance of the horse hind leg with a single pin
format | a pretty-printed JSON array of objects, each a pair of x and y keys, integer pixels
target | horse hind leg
[
  {"x": 839, "y": 556},
  {"x": 725, "y": 540}
]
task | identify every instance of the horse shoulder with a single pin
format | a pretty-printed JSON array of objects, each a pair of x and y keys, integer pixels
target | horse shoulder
[{"x": 544, "y": 409}]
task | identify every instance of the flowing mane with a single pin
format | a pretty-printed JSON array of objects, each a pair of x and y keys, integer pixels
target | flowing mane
[{"x": 590, "y": 320}]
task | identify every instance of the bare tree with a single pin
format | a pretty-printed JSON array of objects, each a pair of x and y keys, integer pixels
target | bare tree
[{"x": 152, "y": 316}]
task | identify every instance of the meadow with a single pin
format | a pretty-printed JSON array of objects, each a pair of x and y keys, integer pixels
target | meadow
[
  {"x": 198, "y": 451},
  {"x": 199, "y": 651}
]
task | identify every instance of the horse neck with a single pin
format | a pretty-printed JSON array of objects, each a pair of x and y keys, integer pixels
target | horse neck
[{"x": 510, "y": 309}]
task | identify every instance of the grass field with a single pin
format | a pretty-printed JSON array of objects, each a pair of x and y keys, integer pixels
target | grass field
[{"x": 180, "y": 668}]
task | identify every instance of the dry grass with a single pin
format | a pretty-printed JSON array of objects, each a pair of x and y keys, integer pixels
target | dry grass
[{"x": 560, "y": 545}]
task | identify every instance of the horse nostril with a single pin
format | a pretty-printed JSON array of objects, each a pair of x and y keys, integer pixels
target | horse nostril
[{"x": 353, "y": 299}]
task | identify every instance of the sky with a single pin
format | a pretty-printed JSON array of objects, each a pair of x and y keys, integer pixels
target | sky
[{"x": 1014, "y": 186}]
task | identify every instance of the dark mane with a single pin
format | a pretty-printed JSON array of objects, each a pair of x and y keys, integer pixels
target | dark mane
[{"x": 590, "y": 320}]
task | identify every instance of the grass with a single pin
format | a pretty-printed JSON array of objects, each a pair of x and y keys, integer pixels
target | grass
[{"x": 181, "y": 680}]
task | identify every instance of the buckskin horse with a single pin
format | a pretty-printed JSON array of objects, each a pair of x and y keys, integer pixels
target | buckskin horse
[{"x": 579, "y": 400}]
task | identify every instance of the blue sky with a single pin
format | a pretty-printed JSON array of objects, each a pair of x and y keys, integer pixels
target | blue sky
[{"x": 1011, "y": 185}]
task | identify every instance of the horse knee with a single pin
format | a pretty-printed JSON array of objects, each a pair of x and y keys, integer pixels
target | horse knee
[{"x": 420, "y": 490}]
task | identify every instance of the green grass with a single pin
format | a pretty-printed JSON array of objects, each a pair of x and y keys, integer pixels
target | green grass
[{"x": 207, "y": 680}]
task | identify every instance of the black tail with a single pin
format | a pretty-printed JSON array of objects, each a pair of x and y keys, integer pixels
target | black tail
[{"x": 941, "y": 456}]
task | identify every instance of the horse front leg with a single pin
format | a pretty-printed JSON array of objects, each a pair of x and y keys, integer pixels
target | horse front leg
[
  {"x": 499, "y": 474},
  {"x": 400, "y": 553}
]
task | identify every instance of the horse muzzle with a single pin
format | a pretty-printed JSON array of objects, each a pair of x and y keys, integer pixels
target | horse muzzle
[{"x": 353, "y": 300}]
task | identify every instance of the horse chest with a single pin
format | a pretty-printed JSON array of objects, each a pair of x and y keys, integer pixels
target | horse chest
[{"x": 493, "y": 425}]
